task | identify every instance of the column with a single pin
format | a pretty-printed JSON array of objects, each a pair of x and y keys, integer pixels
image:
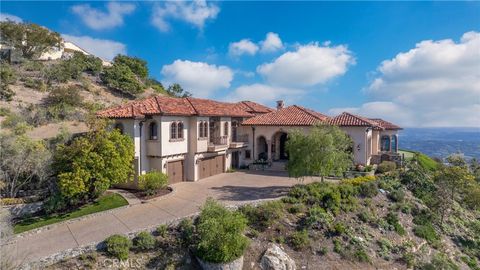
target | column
[{"x": 269, "y": 149}]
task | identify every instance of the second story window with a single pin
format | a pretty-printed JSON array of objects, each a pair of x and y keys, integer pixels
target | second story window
[
  {"x": 153, "y": 131},
  {"x": 119, "y": 126},
  {"x": 173, "y": 130},
  {"x": 202, "y": 129},
  {"x": 225, "y": 129},
  {"x": 205, "y": 129},
  {"x": 180, "y": 130}
]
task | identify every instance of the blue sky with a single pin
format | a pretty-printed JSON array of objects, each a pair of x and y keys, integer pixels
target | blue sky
[{"x": 414, "y": 63}]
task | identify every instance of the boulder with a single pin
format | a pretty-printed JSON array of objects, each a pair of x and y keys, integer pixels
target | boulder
[{"x": 275, "y": 258}]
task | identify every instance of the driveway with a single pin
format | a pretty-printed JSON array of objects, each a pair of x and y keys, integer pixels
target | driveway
[{"x": 229, "y": 188}]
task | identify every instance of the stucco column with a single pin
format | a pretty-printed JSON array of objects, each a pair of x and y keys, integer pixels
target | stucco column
[
  {"x": 269, "y": 149},
  {"x": 390, "y": 141}
]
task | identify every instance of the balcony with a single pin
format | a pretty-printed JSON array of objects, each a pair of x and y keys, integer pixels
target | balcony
[
  {"x": 239, "y": 141},
  {"x": 218, "y": 144}
]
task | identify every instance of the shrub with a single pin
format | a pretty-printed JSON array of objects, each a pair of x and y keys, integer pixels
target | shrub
[
  {"x": 338, "y": 247},
  {"x": 297, "y": 208},
  {"x": 317, "y": 217},
  {"x": 64, "y": 96},
  {"x": 136, "y": 65},
  {"x": 392, "y": 220},
  {"x": 144, "y": 241},
  {"x": 187, "y": 231},
  {"x": 55, "y": 203},
  {"x": 152, "y": 181},
  {"x": 397, "y": 195},
  {"x": 365, "y": 216},
  {"x": 264, "y": 215},
  {"x": 118, "y": 246},
  {"x": 440, "y": 261},
  {"x": 162, "y": 230},
  {"x": 36, "y": 84},
  {"x": 339, "y": 228},
  {"x": 426, "y": 232},
  {"x": 120, "y": 77},
  {"x": 385, "y": 247},
  {"x": 386, "y": 166},
  {"x": 368, "y": 189},
  {"x": 322, "y": 251},
  {"x": 359, "y": 180},
  {"x": 220, "y": 233},
  {"x": 7, "y": 77},
  {"x": 299, "y": 240},
  {"x": 361, "y": 255}
]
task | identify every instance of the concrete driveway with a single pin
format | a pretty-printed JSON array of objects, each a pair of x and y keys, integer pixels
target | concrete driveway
[{"x": 229, "y": 188}]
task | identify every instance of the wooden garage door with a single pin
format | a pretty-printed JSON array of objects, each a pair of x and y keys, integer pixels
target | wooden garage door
[
  {"x": 211, "y": 166},
  {"x": 175, "y": 171}
]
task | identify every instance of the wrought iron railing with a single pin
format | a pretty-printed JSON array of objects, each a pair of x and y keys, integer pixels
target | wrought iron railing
[
  {"x": 222, "y": 140},
  {"x": 240, "y": 138}
]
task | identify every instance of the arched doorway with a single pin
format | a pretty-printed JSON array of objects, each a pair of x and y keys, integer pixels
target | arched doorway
[
  {"x": 262, "y": 148},
  {"x": 279, "y": 151}
]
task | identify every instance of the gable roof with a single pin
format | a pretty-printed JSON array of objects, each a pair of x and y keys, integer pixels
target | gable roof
[
  {"x": 385, "y": 124},
  {"x": 352, "y": 120},
  {"x": 163, "y": 105},
  {"x": 290, "y": 116}
]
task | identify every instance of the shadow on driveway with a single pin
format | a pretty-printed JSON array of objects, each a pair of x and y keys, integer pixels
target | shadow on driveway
[{"x": 246, "y": 193}]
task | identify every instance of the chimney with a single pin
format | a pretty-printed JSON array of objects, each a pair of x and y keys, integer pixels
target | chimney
[{"x": 280, "y": 104}]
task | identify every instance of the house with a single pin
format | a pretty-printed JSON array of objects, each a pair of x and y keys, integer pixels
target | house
[
  {"x": 191, "y": 138},
  {"x": 66, "y": 51}
]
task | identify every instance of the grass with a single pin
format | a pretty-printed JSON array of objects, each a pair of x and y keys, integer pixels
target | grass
[
  {"x": 408, "y": 154},
  {"x": 423, "y": 160},
  {"x": 104, "y": 203}
]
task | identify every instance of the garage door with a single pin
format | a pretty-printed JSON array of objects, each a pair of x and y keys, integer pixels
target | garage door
[
  {"x": 175, "y": 171},
  {"x": 211, "y": 166}
]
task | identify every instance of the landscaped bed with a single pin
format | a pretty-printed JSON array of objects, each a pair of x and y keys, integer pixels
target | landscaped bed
[
  {"x": 105, "y": 202},
  {"x": 147, "y": 195}
]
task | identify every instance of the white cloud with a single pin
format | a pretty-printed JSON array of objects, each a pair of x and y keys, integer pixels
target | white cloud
[
  {"x": 309, "y": 65},
  {"x": 271, "y": 43},
  {"x": 9, "y": 17},
  {"x": 103, "y": 48},
  {"x": 437, "y": 83},
  {"x": 99, "y": 20},
  {"x": 244, "y": 46},
  {"x": 264, "y": 93},
  {"x": 199, "y": 78},
  {"x": 196, "y": 12}
]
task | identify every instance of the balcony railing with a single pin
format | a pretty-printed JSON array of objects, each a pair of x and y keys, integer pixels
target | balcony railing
[
  {"x": 218, "y": 144},
  {"x": 240, "y": 138}
]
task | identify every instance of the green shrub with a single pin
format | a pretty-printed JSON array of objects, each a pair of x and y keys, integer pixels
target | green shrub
[
  {"x": 368, "y": 189},
  {"x": 397, "y": 195},
  {"x": 297, "y": 208},
  {"x": 318, "y": 218},
  {"x": 64, "y": 96},
  {"x": 220, "y": 233},
  {"x": 120, "y": 77},
  {"x": 187, "y": 231},
  {"x": 54, "y": 203},
  {"x": 136, "y": 65},
  {"x": 36, "y": 84},
  {"x": 426, "y": 232},
  {"x": 392, "y": 220},
  {"x": 386, "y": 166},
  {"x": 264, "y": 215},
  {"x": 409, "y": 259},
  {"x": 338, "y": 246},
  {"x": 365, "y": 216},
  {"x": 385, "y": 247},
  {"x": 144, "y": 241},
  {"x": 322, "y": 251},
  {"x": 440, "y": 261},
  {"x": 361, "y": 255},
  {"x": 339, "y": 228},
  {"x": 7, "y": 76},
  {"x": 152, "y": 181},
  {"x": 299, "y": 240},
  {"x": 359, "y": 180},
  {"x": 162, "y": 230},
  {"x": 118, "y": 246}
]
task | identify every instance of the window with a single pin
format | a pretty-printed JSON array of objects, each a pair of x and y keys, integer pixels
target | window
[
  {"x": 205, "y": 129},
  {"x": 173, "y": 130},
  {"x": 248, "y": 154},
  {"x": 385, "y": 143},
  {"x": 153, "y": 131},
  {"x": 225, "y": 129},
  {"x": 119, "y": 126},
  {"x": 394, "y": 143},
  {"x": 180, "y": 130},
  {"x": 200, "y": 130}
]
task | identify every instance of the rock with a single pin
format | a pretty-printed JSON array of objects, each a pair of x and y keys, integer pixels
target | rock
[
  {"x": 275, "y": 258},
  {"x": 234, "y": 265}
]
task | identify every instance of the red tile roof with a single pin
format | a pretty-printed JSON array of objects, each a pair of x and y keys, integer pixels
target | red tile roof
[
  {"x": 289, "y": 116},
  {"x": 163, "y": 105},
  {"x": 385, "y": 124},
  {"x": 352, "y": 120},
  {"x": 253, "y": 107}
]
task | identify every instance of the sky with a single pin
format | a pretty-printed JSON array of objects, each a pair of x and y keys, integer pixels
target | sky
[{"x": 416, "y": 64}]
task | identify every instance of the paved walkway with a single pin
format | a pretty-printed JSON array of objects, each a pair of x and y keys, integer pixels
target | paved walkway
[{"x": 229, "y": 188}]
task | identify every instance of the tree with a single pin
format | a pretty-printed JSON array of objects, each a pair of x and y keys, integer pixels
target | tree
[
  {"x": 175, "y": 90},
  {"x": 156, "y": 85},
  {"x": 120, "y": 77},
  {"x": 7, "y": 77},
  {"x": 136, "y": 65},
  {"x": 451, "y": 183},
  {"x": 22, "y": 162},
  {"x": 324, "y": 151},
  {"x": 31, "y": 39},
  {"x": 456, "y": 160},
  {"x": 91, "y": 164}
]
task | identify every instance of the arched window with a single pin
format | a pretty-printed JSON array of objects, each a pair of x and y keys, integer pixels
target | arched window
[
  {"x": 225, "y": 129},
  {"x": 180, "y": 130},
  {"x": 205, "y": 129},
  {"x": 153, "y": 131},
  {"x": 173, "y": 130},
  {"x": 394, "y": 143},
  {"x": 119, "y": 126},
  {"x": 385, "y": 143},
  {"x": 200, "y": 130}
]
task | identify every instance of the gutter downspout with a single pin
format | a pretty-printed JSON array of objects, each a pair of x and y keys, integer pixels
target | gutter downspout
[
  {"x": 253, "y": 142},
  {"x": 141, "y": 148}
]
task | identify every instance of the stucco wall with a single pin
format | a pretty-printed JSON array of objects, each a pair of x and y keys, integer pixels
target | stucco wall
[
  {"x": 358, "y": 135},
  {"x": 173, "y": 147}
]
